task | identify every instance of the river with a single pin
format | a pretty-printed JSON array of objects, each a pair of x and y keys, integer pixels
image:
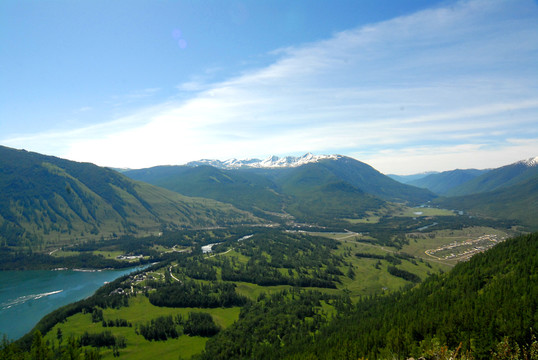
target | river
[
  {"x": 27, "y": 296},
  {"x": 209, "y": 247}
]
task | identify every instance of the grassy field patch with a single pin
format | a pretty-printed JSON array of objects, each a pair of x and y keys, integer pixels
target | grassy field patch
[
  {"x": 366, "y": 220},
  {"x": 62, "y": 253},
  {"x": 139, "y": 312},
  {"x": 108, "y": 254},
  {"x": 423, "y": 211}
]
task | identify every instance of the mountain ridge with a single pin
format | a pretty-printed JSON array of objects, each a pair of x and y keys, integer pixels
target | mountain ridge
[
  {"x": 269, "y": 162},
  {"x": 315, "y": 188},
  {"x": 441, "y": 183},
  {"x": 498, "y": 178},
  {"x": 516, "y": 202}
]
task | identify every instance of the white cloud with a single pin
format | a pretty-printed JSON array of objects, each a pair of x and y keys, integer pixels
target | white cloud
[{"x": 425, "y": 88}]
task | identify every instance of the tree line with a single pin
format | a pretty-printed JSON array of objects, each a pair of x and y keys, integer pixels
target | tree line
[
  {"x": 189, "y": 293},
  {"x": 168, "y": 327}
]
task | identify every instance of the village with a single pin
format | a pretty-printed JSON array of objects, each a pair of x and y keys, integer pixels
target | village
[{"x": 462, "y": 251}]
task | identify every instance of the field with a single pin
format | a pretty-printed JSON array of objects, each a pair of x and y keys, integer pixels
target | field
[
  {"x": 139, "y": 312},
  {"x": 423, "y": 211},
  {"x": 400, "y": 211},
  {"x": 372, "y": 219},
  {"x": 371, "y": 276}
]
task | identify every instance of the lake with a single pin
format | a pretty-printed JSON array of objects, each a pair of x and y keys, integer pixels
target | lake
[{"x": 27, "y": 296}]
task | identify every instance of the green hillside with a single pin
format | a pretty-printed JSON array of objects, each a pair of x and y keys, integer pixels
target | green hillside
[
  {"x": 371, "y": 181},
  {"x": 496, "y": 179},
  {"x": 319, "y": 192},
  {"x": 46, "y": 200},
  {"x": 244, "y": 190},
  {"x": 443, "y": 182},
  {"x": 309, "y": 193},
  {"x": 517, "y": 202}
]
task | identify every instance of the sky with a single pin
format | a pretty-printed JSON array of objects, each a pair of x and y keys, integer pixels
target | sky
[{"x": 406, "y": 86}]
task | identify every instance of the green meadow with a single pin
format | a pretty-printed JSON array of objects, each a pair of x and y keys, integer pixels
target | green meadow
[{"x": 139, "y": 312}]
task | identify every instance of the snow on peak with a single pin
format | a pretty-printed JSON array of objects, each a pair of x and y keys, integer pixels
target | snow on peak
[
  {"x": 291, "y": 161},
  {"x": 531, "y": 162},
  {"x": 270, "y": 162}
]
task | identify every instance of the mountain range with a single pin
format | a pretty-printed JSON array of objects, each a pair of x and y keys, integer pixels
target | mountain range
[
  {"x": 516, "y": 202},
  {"x": 335, "y": 186},
  {"x": 444, "y": 182},
  {"x": 406, "y": 179},
  {"x": 503, "y": 177},
  {"x": 46, "y": 199},
  {"x": 472, "y": 181},
  {"x": 509, "y": 192},
  {"x": 309, "y": 188}
]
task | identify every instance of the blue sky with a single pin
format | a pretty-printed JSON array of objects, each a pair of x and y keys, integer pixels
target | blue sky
[{"x": 405, "y": 86}]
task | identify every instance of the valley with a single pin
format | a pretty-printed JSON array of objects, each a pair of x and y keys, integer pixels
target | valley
[
  {"x": 256, "y": 268},
  {"x": 269, "y": 180},
  {"x": 249, "y": 261}
]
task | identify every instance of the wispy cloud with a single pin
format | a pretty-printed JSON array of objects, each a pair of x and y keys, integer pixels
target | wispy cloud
[{"x": 446, "y": 81}]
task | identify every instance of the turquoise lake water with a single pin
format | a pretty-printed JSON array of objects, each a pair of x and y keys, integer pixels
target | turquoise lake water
[{"x": 27, "y": 296}]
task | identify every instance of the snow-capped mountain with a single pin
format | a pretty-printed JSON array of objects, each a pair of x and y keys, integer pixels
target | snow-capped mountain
[
  {"x": 530, "y": 162},
  {"x": 270, "y": 162}
]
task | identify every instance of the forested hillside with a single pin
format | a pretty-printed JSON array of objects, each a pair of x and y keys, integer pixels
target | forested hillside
[
  {"x": 442, "y": 183},
  {"x": 371, "y": 181},
  {"x": 499, "y": 178},
  {"x": 318, "y": 195},
  {"x": 317, "y": 192},
  {"x": 44, "y": 200},
  {"x": 516, "y": 202},
  {"x": 482, "y": 308},
  {"x": 243, "y": 189}
]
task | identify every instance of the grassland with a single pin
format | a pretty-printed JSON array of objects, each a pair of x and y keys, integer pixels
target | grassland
[
  {"x": 423, "y": 211},
  {"x": 108, "y": 254},
  {"x": 253, "y": 291},
  {"x": 139, "y": 312},
  {"x": 371, "y": 276},
  {"x": 64, "y": 253},
  {"x": 373, "y": 217}
]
